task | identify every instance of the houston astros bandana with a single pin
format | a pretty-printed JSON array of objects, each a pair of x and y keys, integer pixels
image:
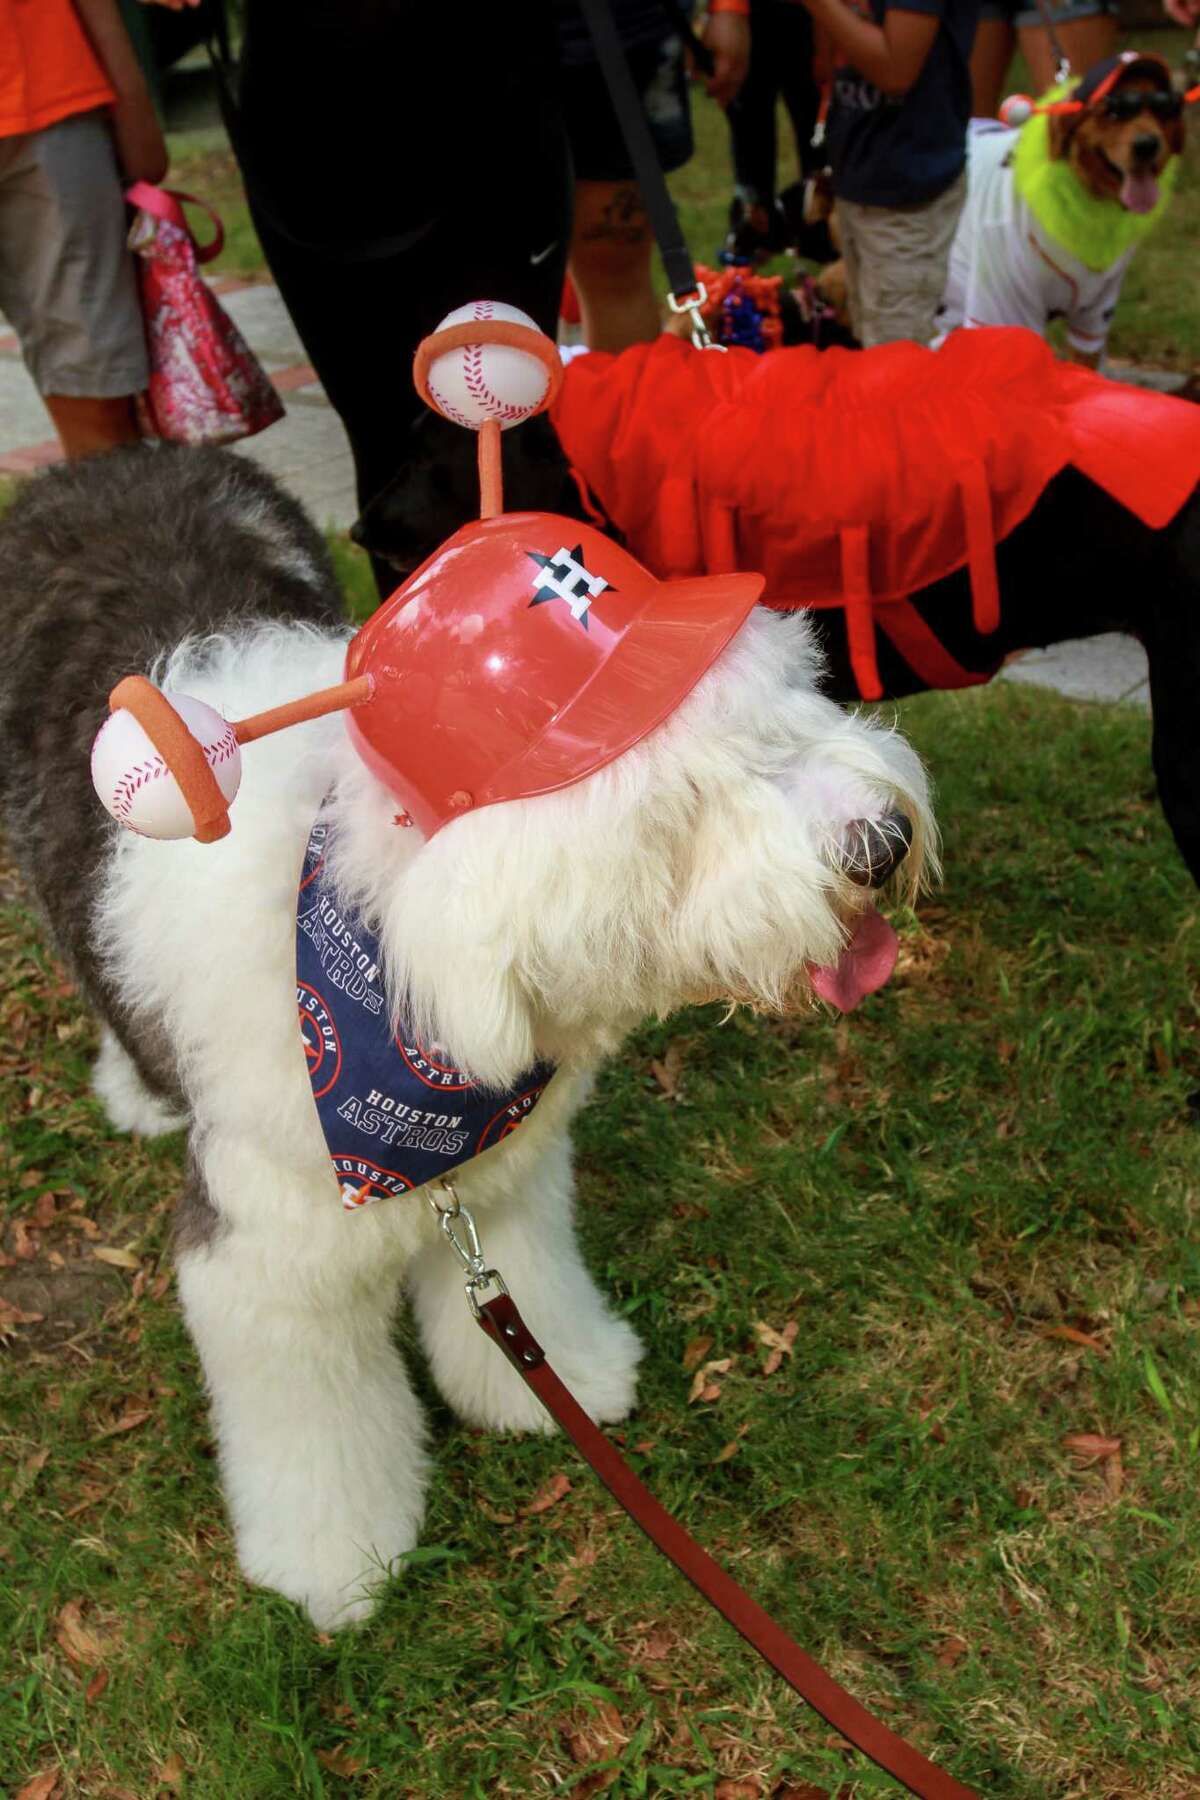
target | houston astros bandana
[{"x": 394, "y": 1113}]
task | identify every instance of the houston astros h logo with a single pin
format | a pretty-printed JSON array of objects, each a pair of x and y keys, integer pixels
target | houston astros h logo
[{"x": 566, "y": 577}]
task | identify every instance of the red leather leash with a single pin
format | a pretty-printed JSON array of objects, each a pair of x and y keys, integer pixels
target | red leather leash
[{"x": 502, "y": 1322}]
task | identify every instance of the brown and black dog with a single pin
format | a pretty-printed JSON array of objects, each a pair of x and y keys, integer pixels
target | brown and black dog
[
  {"x": 1056, "y": 209},
  {"x": 1129, "y": 128}
]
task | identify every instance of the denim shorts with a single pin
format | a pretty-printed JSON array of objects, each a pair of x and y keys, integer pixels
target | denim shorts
[
  {"x": 1063, "y": 12},
  {"x": 597, "y": 146}
]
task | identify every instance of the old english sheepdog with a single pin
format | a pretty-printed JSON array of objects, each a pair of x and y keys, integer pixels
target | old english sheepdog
[{"x": 727, "y": 855}]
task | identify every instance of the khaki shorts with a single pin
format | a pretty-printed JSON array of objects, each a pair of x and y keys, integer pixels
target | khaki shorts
[
  {"x": 897, "y": 260},
  {"x": 67, "y": 281}
]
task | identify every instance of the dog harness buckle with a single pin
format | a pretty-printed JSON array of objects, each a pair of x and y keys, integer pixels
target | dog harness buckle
[{"x": 470, "y": 1252}]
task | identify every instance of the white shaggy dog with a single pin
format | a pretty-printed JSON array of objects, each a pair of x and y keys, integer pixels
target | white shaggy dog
[{"x": 710, "y": 861}]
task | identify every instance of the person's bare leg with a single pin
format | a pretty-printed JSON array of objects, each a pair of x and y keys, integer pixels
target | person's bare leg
[
  {"x": 85, "y": 426},
  {"x": 990, "y": 57},
  {"x": 610, "y": 266},
  {"x": 1084, "y": 42}
]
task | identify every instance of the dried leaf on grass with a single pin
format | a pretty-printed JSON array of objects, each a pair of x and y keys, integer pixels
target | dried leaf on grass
[
  {"x": 1089, "y": 1447},
  {"x": 667, "y": 1072},
  {"x": 11, "y": 1316},
  {"x": 24, "y": 1478},
  {"x": 45, "y": 1210},
  {"x": 548, "y": 1495},
  {"x": 96, "y": 1686},
  {"x": 494, "y": 1514},
  {"x": 172, "y": 1772},
  {"x": 1070, "y": 1335},
  {"x": 339, "y": 1762},
  {"x": 25, "y": 1241},
  {"x": 730, "y": 1789},
  {"x": 734, "y": 1445},
  {"x": 129, "y": 1420},
  {"x": 951, "y": 1651},
  {"x": 42, "y": 1787},
  {"x": 779, "y": 1343},
  {"x": 596, "y": 1736},
  {"x": 695, "y": 1353},
  {"x": 83, "y": 1645},
  {"x": 80, "y": 1222},
  {"x": 704, "y": 1387},
  {"x": 116, "y": 1259},
  {"x": 90, "y": 1493}
]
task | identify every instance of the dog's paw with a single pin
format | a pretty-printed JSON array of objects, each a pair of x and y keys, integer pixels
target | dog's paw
[
  {"x": 125, "y": 1097},
  {"x": 338, "y": 1582},
  {"x": 597, "y": 1361}
]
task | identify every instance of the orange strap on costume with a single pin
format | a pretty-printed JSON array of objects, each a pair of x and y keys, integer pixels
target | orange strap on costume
[
  {"x": 488, "y": 331},
  {"x": 860, "y": 619},
  {"x": 976, "y": 496}
]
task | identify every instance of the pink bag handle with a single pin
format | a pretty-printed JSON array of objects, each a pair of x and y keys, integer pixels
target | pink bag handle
[{"x": 166, "y": 203}]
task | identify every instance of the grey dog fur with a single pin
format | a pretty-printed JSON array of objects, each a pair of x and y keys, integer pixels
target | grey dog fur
[{"x": 104, "y": 565}]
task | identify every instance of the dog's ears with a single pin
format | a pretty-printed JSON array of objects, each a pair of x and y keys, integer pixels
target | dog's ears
[
  {"x": 452, "y": 958},
  {"x": 1062, "y": 127},
  {"x": 483, "y": 1020}
]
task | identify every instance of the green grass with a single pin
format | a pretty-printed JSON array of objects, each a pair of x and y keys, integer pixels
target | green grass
[
  {"x": 203, "y": 164},
  {"x": 977, "y": 1200}
]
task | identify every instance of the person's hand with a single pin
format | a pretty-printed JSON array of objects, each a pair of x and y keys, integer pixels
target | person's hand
[
  {"x": 1184, "y": 12},
  {"x": 141, "y": 147},
  {"x": 727, "y": 35}
]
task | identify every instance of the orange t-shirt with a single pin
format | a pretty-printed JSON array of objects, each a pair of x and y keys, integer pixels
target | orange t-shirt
[{"x": 48, "y": 69}]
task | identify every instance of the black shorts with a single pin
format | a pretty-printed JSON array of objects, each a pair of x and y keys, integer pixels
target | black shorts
[{"x": 597, "y": 146}]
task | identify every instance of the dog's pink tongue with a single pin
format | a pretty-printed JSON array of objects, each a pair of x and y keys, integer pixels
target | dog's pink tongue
[
  {"x": 864, "y": 965},
  {"x": 1139, "y": 192}
]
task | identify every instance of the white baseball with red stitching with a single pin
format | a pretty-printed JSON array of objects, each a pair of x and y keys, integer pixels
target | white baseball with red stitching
[
  {"x": 487, "y": 381},
  {"x": 134, "y": 782}
]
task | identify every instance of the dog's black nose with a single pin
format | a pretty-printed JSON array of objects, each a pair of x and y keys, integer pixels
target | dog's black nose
[
  {"x": 873, "y": 849},
  {"x": 1145, "y": 146}
]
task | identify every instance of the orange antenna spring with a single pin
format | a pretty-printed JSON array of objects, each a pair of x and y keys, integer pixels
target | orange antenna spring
[
  {"x": 298, "y": 712},
  {"x": 491, "y": 470}
]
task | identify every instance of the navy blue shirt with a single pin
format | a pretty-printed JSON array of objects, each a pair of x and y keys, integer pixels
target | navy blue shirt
[{"x": 907, "y": 150}]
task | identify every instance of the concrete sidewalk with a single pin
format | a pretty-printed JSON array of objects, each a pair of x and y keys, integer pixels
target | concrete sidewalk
[{"x": 307, "y": 451}]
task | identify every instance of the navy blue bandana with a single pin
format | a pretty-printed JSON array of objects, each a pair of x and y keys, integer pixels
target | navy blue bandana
[{"x": 393, "y": 1112}]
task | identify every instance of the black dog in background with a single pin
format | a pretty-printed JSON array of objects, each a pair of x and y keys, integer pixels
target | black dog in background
[{"x": 1078, "y": 566}]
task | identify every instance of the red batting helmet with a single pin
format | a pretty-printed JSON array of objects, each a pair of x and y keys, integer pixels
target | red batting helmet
[{"x": 528, "y": 651}]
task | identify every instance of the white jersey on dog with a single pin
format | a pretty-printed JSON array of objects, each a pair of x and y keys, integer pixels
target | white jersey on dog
[{"x": 1004, "y": 267}]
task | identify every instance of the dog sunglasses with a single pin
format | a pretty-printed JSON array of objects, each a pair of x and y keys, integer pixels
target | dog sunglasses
[{"x": 1126, "y": 103}]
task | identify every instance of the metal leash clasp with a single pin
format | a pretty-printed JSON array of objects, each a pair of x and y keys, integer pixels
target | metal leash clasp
[
  {"x": 691, "y": 304},
  {"x": 470, "y": 1251}
]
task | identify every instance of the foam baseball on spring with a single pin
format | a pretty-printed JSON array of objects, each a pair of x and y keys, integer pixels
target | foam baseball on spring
[
  {"x": 1017, "y": 110},
  {"x": 134, "y": 783},
  {"x": 487, "y": 381}
]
